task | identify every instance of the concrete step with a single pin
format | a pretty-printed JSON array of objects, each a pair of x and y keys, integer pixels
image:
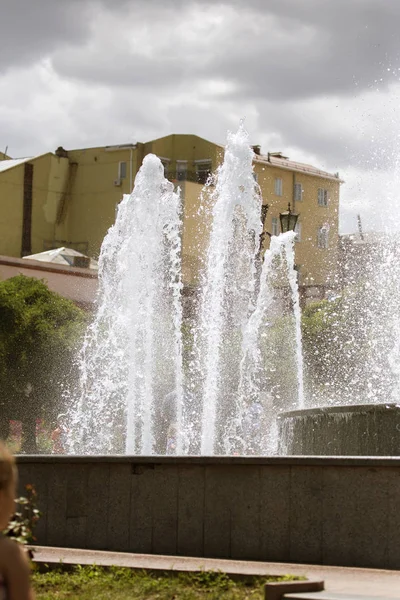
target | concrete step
[{"x": 326, "y": 595}]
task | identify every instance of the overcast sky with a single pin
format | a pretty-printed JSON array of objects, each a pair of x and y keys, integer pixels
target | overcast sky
[{"x": 316, "y": 79}]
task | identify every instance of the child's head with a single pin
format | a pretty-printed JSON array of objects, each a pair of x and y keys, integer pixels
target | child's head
[{"x": 8, "y": 482}]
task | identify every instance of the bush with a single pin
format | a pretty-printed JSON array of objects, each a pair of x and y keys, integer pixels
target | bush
[{"x": 22, "y": 525}]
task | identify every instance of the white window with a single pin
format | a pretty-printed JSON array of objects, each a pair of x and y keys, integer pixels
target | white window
[
  {"x": 297, "y": 231},
  {"x": 298, "y": 192},
  {"x": 322, "y": 197},
  {"x": 278, "y": 186},
  {"x": 275, "y": 226},
  {"x": 322, "y": 239},
  {"x": 122, "y": 170},
  {"x": 203, "y": 170},
  {"x": 181, "y": 170}
]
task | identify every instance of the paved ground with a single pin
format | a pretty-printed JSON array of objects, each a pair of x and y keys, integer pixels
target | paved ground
[{"x": 371, "y": 582}]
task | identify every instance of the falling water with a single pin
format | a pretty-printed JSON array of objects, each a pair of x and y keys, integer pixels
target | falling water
[
  {"x": 252, "y": 365},
  {"x": 229, "y": 282},
  {"x": 133, "y": 396},
  {"x": 294, "y": 288},
  {"x": 132, "y": 355}
]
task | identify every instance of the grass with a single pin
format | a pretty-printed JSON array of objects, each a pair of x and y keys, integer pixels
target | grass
[{"x": 87, "y": 583}]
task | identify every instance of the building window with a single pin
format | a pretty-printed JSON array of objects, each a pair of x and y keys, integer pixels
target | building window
[
  {"x": 297, "y": 231},
  {"x": 275, "y": 226},
  {"x": 322, "y": 240},
  {"x": 298, "y": 192},
  {"x": 278, "y": 186},
  {"x": 122, "y": 170},
  {"x": 181, "y": 170},
  {"x": 203, "y": 170},
  {"x": 322, "y": 197}
]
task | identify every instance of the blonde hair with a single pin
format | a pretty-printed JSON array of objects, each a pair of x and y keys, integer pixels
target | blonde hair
[{"x": 8, "y": 468}]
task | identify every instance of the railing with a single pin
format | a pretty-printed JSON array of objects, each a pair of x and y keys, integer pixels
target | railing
[{"x": 194, "y": 176}]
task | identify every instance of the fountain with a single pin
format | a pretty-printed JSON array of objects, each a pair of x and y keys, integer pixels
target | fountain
[
  {"x": 362, "y": 416},
  {"x": 138, "y": 393},
  {"x": 133, "y": 349},
  {"x": 231, "y": 384},
  {"x": 142, "y": 393},
  {"x": 188, "y": 418}
]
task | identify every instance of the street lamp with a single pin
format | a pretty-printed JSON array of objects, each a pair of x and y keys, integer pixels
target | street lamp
[{"x": 288, "y": 220}]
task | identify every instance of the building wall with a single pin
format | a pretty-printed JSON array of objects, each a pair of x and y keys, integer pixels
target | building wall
[
  {"x": 95, "y": 195},
  {"x": 49, "y": 180},
  {"x": 11, "y": 199},
  {"x": 195, "y": 234},
  {"x": 75, "y": 200},
  {"x": 318, "y": 266},
  {"x": 50, "y": 175},
  {"x": 184, "y": 147},
  {"x": 332, "y": 511}
]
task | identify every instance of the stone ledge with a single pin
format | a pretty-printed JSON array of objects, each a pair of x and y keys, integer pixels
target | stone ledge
[
  {"x": 277, "y": 590},
  {"x": 272, "y": 461},
  {"x": 340, "y": 409}
]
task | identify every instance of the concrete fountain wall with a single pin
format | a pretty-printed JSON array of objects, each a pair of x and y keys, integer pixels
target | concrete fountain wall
[
  {"x": 359, "y": 430},
  {"x": 340, "y": 511}
]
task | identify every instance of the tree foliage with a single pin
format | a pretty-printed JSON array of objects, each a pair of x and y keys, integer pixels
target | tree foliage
[
  {"x": 39, "y": 331},
  {"x": 336, "y": 347}
]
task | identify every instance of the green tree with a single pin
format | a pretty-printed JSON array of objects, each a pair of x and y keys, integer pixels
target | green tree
[
  {"x": 336, "y": 346},
  {"x": 39, "y": 332}
]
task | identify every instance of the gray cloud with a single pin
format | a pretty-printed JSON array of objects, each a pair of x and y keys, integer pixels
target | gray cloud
[
  {"x": 303, "y": 73},
  {"x": 271, "y": 50},
  {"x": 274, "y": 50},
  {"x": 31, "y": 30}
]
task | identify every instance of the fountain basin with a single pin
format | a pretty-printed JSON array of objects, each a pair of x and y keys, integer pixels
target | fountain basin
[
  {"x": 274, "y": 509},
  {"x": 357, "y": 430}
]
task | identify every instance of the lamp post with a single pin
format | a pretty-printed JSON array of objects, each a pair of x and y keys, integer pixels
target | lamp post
[{"x": 287, "y": 218}]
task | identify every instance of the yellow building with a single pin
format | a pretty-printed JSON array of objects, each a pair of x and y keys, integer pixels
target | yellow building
[
  {"x": 314, "y": 195},
  {"x": 69, "y": 198}
]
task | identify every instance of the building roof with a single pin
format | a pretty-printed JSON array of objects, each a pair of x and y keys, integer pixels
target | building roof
[
  {"x": 79, "y": 285},
  {"x": 62, "y": 256},
  {"x": 9, "y": 164},
  {"x": 273, "y": 159},
  {"x": 164, "y": 137}
]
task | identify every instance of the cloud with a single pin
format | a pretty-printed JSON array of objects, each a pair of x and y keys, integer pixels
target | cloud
[
  {"x": 316, "y": 79},
  {"x": 30, "y": 31},
  {"x": 276, "y": 51}
]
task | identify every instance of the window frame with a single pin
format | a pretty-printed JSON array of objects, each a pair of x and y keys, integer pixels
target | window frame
[
  {"x": 322, "y": 237},
  {"x": 323, "y": 198},
  {"x": 297, "y": 186},
  {"x": 122, "y": 169},
  {"x": 203, "y": 170},
  {"x": 278, "y": 186}
]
